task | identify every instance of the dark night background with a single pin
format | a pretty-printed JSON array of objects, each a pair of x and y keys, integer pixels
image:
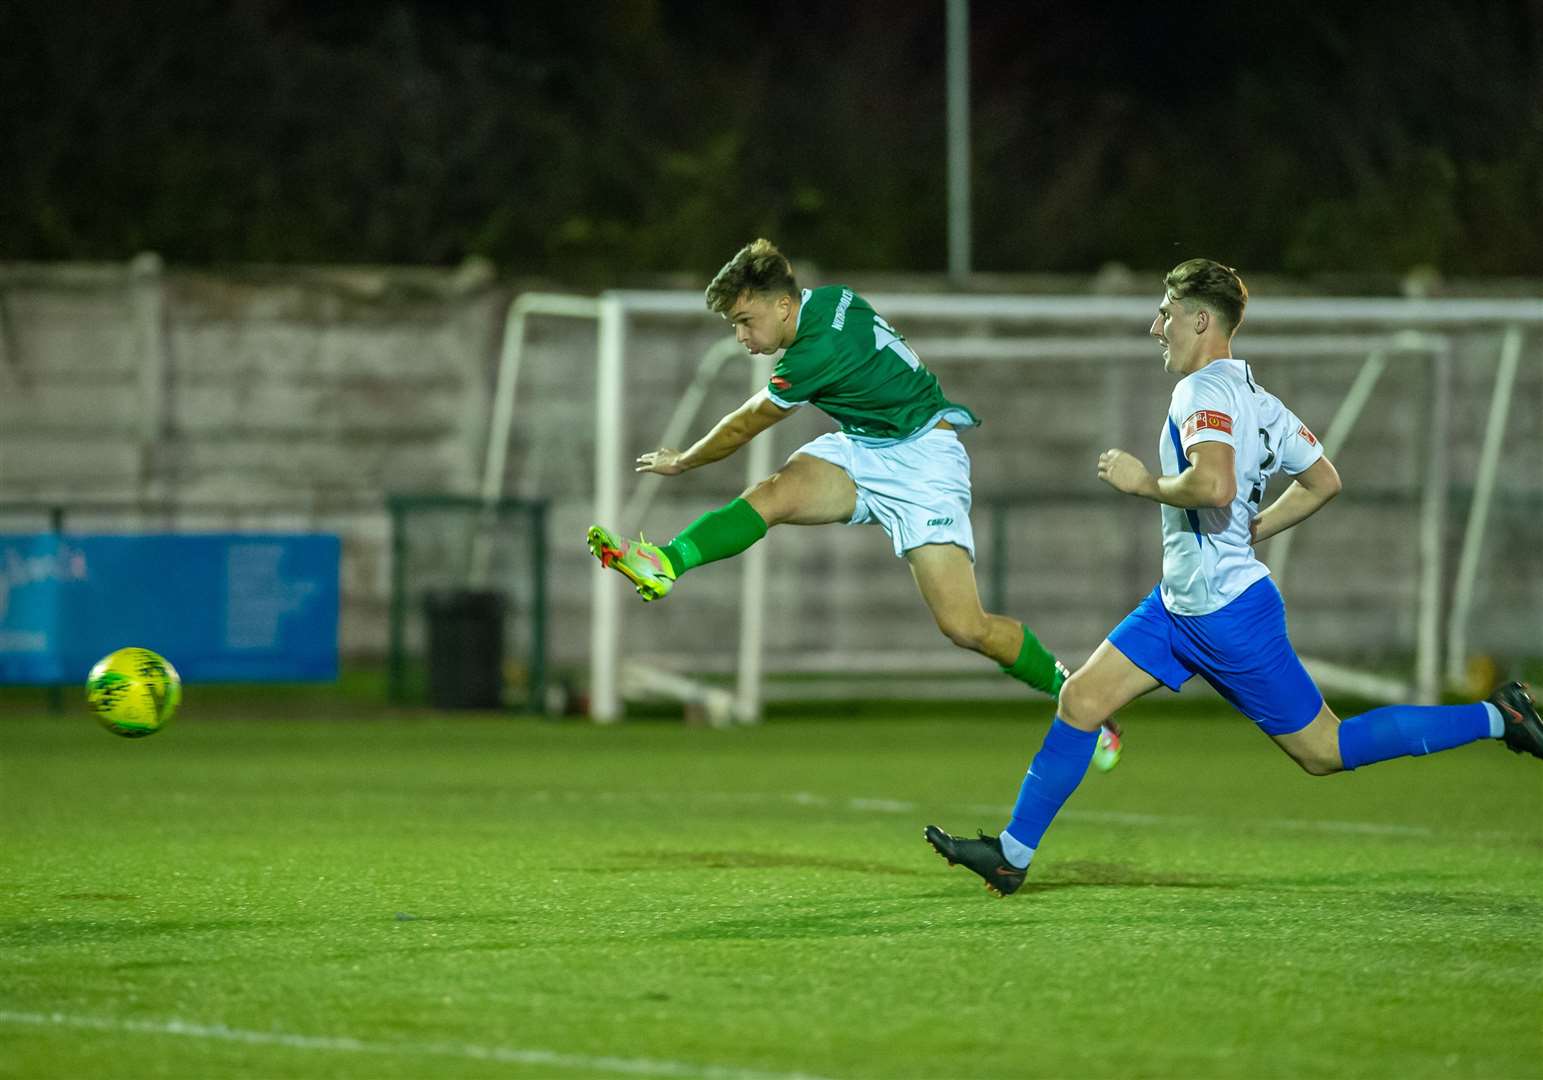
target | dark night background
[{"x": 590, "y": 141}]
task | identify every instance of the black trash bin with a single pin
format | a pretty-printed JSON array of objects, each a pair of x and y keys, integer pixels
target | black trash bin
[{"x": 466, "y": 648}]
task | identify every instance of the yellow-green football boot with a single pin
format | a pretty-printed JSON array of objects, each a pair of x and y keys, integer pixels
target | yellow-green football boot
[{"x": 643, "y": 564}]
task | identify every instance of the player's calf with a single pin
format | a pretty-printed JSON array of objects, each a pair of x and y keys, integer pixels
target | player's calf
[
  {"x": 971, "y": 634},
  {"x": 1033, "y": 664}
]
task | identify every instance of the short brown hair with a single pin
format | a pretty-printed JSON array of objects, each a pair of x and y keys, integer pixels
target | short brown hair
[
  {"x": 758, "y": 267},
  {"x": 1207, "y": 283}
]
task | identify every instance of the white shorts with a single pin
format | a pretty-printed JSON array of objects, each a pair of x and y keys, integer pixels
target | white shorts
[{"x": 918, "y": 491}]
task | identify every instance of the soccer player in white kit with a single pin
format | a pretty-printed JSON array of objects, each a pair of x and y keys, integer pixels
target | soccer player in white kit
[{"x": 1216, "y": 613}]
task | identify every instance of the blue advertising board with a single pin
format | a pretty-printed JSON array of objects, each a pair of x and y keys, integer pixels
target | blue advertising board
[{"x": 222, "y": 607}]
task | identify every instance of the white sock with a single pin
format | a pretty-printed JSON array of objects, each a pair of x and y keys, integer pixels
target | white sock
[
  {"x": 1496, "y": 721},
  {"x": 1019, "y": 854}
]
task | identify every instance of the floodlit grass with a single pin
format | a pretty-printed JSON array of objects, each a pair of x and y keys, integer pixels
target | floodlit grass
[{"x": 264, "y": 895}]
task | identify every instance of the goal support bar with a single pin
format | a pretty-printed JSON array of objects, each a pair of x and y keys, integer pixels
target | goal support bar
[{"x": 1317, "y": 324}]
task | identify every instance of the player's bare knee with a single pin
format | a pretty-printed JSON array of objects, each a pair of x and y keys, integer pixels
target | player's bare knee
[
  {"x": 1316, "y": 746},
  {"x": 1318, "y": 763},
  {"x": 765, "y": 498},
  {"x": 1078, "y": 707},
  {"x": 964, "y": 632}
]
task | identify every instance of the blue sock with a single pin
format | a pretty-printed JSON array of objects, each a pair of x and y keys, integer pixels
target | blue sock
[
  {"x": 1054, "y": 774},
  {"x": 1409, "y": 730}
]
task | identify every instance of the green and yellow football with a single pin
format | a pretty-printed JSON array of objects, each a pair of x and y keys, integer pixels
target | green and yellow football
[{"x": 133, "y": 692}]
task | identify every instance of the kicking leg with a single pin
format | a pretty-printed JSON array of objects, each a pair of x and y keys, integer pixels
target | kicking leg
[
  {"x": 1105, "y": 684},
  {"x": 946, "y": 578},
  {"x": 806, "y": 491}
]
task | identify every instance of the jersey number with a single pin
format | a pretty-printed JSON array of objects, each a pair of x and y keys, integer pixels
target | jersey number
[
  {"x": 1264, "y": 467},
  {"x": 884, "y": 337}
]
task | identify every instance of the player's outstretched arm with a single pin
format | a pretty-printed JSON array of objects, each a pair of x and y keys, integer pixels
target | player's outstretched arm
[
  {"x": 1208, "y": 481},
  {"x": 728, "y": 435},
  {"x": 1309, "y": 492}
]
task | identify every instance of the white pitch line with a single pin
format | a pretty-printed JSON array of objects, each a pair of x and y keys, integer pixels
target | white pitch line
[
  {"x": 346, "y": 1044},
  {"x": 1121, "y": 817},
  {"x": 874, "y": 805},
  {"x": 1095, "y": 817}
]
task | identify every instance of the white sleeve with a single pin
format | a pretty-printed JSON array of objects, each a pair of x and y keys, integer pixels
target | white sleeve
[
  {"x": 1299, "y": 447},
  {"x": 1204, "y": 410}
]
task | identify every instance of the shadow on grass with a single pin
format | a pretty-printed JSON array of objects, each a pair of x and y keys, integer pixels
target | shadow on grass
[
  {"x": 901, "y": 913},
  {"x": 1086, "y": 874},
  {"x": 1062, "y": 875},
  {"x": 748, "y": 860},
  {"x": 129, "y": 928}
]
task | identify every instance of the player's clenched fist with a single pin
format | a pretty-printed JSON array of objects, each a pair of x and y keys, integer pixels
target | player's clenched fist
[
  {"x": 1124, "y": 472},
  {"x": 663, "y": 461}
]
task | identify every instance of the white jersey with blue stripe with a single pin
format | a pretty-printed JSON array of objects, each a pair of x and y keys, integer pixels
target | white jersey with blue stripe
[{"x": 1208, "y": 554}]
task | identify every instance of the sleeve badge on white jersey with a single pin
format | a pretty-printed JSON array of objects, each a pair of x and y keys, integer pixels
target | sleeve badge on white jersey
[{"x": 1207, "y": 419}]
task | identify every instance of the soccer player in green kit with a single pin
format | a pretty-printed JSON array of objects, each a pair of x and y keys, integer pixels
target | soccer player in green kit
[{"x": 897, "y": 459}]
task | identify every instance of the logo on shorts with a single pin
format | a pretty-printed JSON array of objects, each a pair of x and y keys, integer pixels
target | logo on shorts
[
  {"x": 780, "y": 383},
  {"x": 940, "y": 521}
]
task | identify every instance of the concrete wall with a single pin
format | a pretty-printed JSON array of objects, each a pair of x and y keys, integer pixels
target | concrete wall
[
  {"x": 291, "y": 399},
  {"x": 299, "y": 398}
]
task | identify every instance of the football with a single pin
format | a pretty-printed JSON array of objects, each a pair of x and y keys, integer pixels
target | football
[{"x": 133, "y": 692}]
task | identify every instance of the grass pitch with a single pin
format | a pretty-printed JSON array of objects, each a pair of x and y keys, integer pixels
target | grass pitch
[{"x": 424, "y": 896}]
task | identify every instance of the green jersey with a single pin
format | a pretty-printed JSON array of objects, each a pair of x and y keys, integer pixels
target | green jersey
[{"x": 853, "y": 365}]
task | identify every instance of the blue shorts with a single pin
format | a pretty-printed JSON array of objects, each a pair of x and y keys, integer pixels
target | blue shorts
[{"x": 1242, "y": 650}]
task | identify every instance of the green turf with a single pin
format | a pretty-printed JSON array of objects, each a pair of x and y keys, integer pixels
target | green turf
[{"x": 420, "y": 896}]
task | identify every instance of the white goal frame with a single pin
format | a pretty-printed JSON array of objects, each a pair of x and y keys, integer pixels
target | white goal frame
[{"x": 1409, "y": 331}]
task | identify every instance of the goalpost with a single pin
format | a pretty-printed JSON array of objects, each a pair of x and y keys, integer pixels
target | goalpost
[{"x": 1378, "y": 335}]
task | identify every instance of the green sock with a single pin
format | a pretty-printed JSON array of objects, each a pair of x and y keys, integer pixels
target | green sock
[
  {"x": 1036, "y": 666},
  {"x": 717, "y": 534}
]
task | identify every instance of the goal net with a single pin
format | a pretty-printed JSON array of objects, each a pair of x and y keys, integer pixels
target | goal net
[{"x": 1422, "y": 565}]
